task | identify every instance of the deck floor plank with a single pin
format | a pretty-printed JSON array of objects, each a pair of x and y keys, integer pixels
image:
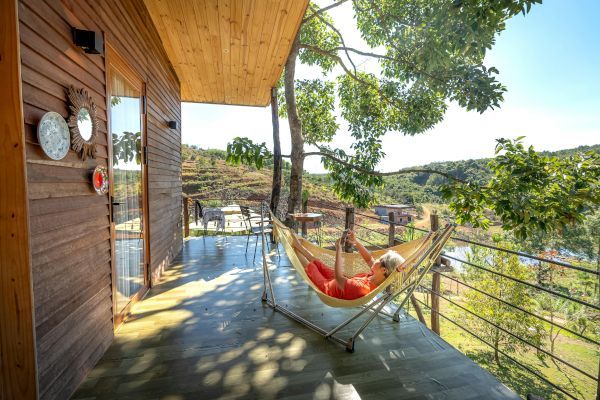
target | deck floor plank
[{"x": 203, "y": 333}]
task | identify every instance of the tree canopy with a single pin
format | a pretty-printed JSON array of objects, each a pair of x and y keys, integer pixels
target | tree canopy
[{"x": 426, "y": 53}]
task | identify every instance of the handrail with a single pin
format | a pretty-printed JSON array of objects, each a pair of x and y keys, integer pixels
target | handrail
[
  {"x": 526, "y": 255},
  {"x": 489, "y": 246}
]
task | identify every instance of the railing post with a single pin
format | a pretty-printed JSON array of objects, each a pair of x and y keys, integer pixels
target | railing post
[
  {"x": 435, "y": 285},
  {"x": 391, "y": 229},
  {"x": 304, "y": 210},
  {"x": 186, "y": 218},
  {"x": 349, "y": 225},
  {"x": 598, "y": 381}
]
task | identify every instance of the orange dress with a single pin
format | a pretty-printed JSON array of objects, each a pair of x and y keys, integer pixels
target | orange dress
[{"x": 324, "y": 278}]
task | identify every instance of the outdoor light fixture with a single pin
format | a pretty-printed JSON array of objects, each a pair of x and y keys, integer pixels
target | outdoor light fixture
[
  {"x": 172, "y": 124},
  {"x": 90, "y": 41}
]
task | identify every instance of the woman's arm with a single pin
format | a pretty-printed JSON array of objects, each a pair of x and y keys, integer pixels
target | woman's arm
[
  {"x": 364, "y": 253},
  {"x": 340, "y": 279}
]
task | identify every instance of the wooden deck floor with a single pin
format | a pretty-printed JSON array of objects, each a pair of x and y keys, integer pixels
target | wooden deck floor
[{"x": 203, "y": 333}]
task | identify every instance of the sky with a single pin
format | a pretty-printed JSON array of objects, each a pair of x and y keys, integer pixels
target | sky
[{"x": 549, "y": 61}]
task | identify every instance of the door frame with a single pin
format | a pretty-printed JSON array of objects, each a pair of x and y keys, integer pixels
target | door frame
[{"x": 115, "y": 60}]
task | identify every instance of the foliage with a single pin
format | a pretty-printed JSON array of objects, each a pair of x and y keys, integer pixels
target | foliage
[
  {"x": 428, "y": 53},
  {"x": 315, "y": 101},
  {"x": 514, "y": 321},
  {"x": 243, "y": 150},
  {"x": 127, "y": 146},
  {"x": 529, "y": 191}
]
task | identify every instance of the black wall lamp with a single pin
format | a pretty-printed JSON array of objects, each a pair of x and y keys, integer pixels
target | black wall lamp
[
  {"x": 172, "y": 124},
  {"x": 90, "y": 41}
]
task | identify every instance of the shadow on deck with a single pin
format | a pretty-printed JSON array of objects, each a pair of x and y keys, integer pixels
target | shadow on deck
[{"x": 203, "y": 333}]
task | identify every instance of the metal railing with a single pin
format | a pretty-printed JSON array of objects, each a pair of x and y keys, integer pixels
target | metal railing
[{"x": 436, "y": 293}]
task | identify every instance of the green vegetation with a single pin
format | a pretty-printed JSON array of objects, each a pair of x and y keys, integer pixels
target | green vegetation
[
  {"x": 206, "y": 175},
  {"x": 428, "y": 53},
  {"x": 523, "y": 325},
  {"x": 424, "y": 187}
]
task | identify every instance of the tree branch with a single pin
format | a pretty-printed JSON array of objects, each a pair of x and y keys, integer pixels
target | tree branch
[
  {"x": 322, "y": 10},
  {"x": 379, "y": 173},
  {"x": 339, "y": 60},
  {"x": 333, "y": 28}
]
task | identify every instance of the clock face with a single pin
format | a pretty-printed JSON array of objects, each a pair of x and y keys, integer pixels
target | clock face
[{"x": 54, "y": 136}]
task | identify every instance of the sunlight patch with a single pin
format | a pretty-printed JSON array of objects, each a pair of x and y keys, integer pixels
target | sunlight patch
[{"x": 212, "y": 378}]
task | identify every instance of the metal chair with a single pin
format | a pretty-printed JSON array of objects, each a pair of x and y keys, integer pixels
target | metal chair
[{"x": 264, "y": 225}]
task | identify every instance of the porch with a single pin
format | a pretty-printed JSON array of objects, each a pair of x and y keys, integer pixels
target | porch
[{"x": 203, "y": 332}]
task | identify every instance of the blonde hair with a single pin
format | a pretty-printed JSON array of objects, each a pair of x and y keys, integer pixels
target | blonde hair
[{"x": 390, "y": 261}]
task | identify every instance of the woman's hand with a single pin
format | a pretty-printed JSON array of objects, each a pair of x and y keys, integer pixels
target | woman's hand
[
  {"x": 351, "y": 238},
  {"x": 338, "y": 245}
]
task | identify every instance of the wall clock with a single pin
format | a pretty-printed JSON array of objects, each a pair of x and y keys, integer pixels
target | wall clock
[{"x": 53, "y": 135}]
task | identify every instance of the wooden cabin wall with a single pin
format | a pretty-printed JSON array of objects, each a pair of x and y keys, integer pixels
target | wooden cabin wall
[{"x": 70, "y": 235}]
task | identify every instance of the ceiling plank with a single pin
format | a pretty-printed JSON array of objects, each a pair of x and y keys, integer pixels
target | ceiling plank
[{"x": 227, "y": 51}]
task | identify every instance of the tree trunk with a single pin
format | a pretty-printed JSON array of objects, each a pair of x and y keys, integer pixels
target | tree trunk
[
  {"x": 496, "y": 344},
  {"x": 597, "y": 283},
  {"x": 276, "y": 187},
  {"x": 297, "y": 156}
]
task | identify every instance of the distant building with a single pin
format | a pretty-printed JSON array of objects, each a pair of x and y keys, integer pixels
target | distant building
[{"x": 403, "y": 213}]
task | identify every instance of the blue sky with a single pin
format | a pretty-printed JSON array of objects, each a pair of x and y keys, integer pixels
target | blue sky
[{"x": 549, "y": 60}]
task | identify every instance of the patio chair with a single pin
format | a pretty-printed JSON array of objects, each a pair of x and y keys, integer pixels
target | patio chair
[
  {"x": 261, "y": 225},
  {"x": 208, "y": 214}
]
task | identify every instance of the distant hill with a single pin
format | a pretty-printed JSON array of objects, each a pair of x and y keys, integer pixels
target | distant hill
[
  {"x": 206, "y": 175},
  {"x": 423, "y": 188}
]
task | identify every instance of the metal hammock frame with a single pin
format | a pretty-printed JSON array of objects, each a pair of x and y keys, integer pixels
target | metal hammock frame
[{"x": 423, "y": 259}]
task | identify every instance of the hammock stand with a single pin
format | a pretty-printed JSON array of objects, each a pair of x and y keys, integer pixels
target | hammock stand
[{"x": 424, "y": 256}]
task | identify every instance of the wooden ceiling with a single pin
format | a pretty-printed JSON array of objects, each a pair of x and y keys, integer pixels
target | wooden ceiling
[{"x": 227, "y": 51}]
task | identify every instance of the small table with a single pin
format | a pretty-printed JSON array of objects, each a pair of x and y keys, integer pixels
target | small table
[
  {"x": 303, "y": 218},
  {"x": 231, "y": 209}
]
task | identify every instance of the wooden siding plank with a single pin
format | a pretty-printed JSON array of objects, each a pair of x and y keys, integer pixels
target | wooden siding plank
[{"x": 18, "y": 375}]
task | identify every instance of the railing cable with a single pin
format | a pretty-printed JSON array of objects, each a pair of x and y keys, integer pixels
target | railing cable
[
  {"x": 564, "y": 296},
  {"x": 529, "y": 369},
  {"x": 512, "y": 334},
  {"x": 521, "y": 309}
]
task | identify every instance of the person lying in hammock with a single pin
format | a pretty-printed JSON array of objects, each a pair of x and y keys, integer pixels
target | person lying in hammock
[{"x": 334, "y": 283}]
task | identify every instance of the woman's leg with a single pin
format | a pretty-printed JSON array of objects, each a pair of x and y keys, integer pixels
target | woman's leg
[
  {"x": 326, "y": 271},
  {"x": 314, "y": 273}
]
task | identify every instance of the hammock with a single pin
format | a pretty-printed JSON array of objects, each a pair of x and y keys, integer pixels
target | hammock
[{"x": 420, "y": 255}]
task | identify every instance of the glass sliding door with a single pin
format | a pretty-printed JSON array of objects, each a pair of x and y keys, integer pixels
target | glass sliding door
[{"x": 127, "y": 134}]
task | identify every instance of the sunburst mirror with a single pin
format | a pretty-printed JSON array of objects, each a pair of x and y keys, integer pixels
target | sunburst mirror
[{"x": 83, "y": 122}]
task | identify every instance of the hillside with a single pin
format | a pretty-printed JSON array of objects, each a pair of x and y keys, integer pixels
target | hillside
[{"x": 206, "y": 175}]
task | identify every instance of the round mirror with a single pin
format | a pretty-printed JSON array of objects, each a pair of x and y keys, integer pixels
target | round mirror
[{"x": 84, "y": 123}]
